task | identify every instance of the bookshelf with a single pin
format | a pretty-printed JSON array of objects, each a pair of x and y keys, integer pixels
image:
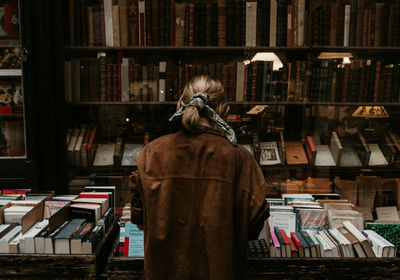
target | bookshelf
[{"x": 287, "y": 110}]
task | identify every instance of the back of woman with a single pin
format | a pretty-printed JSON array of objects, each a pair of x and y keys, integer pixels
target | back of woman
[{"x": 198, "y": 195}]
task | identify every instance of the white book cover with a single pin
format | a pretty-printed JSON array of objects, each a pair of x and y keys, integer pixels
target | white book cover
[
  {"x": 74, "y": 138},
  {"x": 272, "y": 25},
  {"x": 104, "y": 155},
  {"x": 324, "y": 156},
  {"x": 161, "y": 86},
  {"x": 269, "y": 153},
  {"x": 336, "y": 147},
  {"x": 130, "y": 153},
  {"x": 125, "y": 80},
  {"x": 354, "y": 231},
  {"x": 283, "y": 220},
  {"x": 27, "y": 242},
  {"x": 381, "y": 247},
  {"x": 387, "y": 213},
  {"x": 346, "y": 25},
  {"x": 349, "y": 157},
  {"x": 377, "y": 158},
  {"x": 108, "y": 21},
  {"x": 6, "y": 239},
  {"x": 13, "y": 246},
  {"x": 328, "y": 250},
  {"x": 240, "y": 69},
  {"x": 251, "y": 23}
]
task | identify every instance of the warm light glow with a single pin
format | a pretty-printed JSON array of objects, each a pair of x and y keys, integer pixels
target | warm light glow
[
  {"x": 127, "y": 119},
  {"x": 373, "y": 112},
  {"x": 333, "y": 55},
  {"x": 245, "y": 62},
  {"x": 346, "y": 60},
  {"x": 268, "y": 56}
]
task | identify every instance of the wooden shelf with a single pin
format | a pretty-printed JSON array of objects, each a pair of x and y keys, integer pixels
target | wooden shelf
[
  {"x": 230, "y": 49},
  {"x": 287, "y": 268},
  {"x": 11, "y": 117},
  {"x": 238, "y": 103}
]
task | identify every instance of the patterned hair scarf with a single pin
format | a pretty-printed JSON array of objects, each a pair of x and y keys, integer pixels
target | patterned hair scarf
[{"x": 199, "y": 100}]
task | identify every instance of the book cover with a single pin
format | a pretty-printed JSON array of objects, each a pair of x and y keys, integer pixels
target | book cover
[
  {"x": 104, "y": 155},
  {"x": 295, "y": 154},
  {"x": 269, "y": 153},
  {"x": 130, "y": 153},
  {"x": 62, "y": 239}
]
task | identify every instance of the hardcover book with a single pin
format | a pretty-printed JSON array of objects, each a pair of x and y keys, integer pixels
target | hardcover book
[
  {"x": 269, "y": 153},
  {"x": 295, "y": 154}
]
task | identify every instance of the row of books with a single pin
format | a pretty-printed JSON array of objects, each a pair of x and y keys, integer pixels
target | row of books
[
  {"x": 321, "y": 221},
  {"x": 69, "y": 224},
  {"x": 81, "y": 150},
  {"x": 344, "y": 151},
  {"x": 121, "y": 79},
  {"x": 345, "y": 241},
  {"x": 220, "y": 23}
]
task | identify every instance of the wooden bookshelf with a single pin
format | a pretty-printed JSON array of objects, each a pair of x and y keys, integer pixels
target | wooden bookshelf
[{"x": 239, "y": 103}]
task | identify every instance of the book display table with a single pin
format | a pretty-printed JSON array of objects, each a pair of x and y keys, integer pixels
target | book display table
[
  {"x": 41, "y": 266},
  {"x": 285, "y": 268}
]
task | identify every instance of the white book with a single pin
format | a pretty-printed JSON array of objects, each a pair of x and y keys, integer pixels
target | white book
[
  {"x": 269, "y": 153},
  {"x": 387, "y": 213},
  {"x": 6, "y": 239},
  {"x": 300, "y": 22},
  {"x": 328, "y": 251},
  {"x": 346, "y": 25},
  {"x": 324, "y": 156},
  {"x": 349, "y": 157},
  {"x": 320, "y": 252},
  {"x": 95, "y": 207},
  {"x": 333, "y": 244},
  {"x": 335, "y": 147},
  {"x": 14, "y": 214},
  {"x": 108, "y": 21},
  {"x": 161, "y": 86},
  {"x": 240, "y": 69},
  {"x": 382, "y": 248},
  {"x": 72, "y": 141},
  {"x": 251, "y": 23},
  {"x": 272, "y": 25},
  {"x": 377, "y": 158},
  {"x": 337, "y": 236},
  {"x": 65, "y": 197},
  {"x": 27, "y": 202},
  {"x": 103, "y": 202},
  {"x": 104, "y": 155},
  {"x": 27, "y": 242},
  {"x": 13, "y": 246},
  {"x": 125, "y": 80},
  {"x": 283, "y": 220},
  {"x": 130, "y": 153}
]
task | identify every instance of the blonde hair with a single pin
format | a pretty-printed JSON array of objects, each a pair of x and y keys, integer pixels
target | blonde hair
[{"x": 217, "y": 100}]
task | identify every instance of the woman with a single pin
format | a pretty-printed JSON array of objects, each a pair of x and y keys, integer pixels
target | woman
[{"x": 198, "y": 195}]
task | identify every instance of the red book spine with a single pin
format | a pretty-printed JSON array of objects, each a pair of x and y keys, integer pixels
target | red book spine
[
  {"x": 295, "y": 239},
  {"x": 142, "y": 23},
  {"x": 172, "y": 22},
  {"x": 293, "y": 246},
  {"x": 119, "y": 75},
  {"x": 285, "y": 237}
]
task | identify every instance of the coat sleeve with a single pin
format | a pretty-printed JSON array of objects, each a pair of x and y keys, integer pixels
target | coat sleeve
[
  {"x": 251, "y": 180},
  {"x": 136, "y": 200}
]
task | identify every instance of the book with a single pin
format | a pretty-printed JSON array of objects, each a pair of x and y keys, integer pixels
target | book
[
  {"x": 269, "y": 153},
  {"x": 27, "y": 242},
  {"x": 104, "y": 155},
  {"x": 363, "y": 240},
  {"x": 311, "y": 150},
  {"x": 14, "y": 214},
  {"x": 77, "y": 237},
  {"x": 295, "y": 154},
  {"x": 388, "y": 213},
  {"x": 336, "y": 148},
  {"x": 49, "y": 239},
  {"x": 283, "y": 220},
  {"x": 8, "y": 237},
  {"x": 103, "y": 202},
  {"x": 310, "y": 242},
  {"x": 381, "y": 247},
  {"x": 281, "y": 242},
  {"x": 275, "y": 248},
  {"x": 324, "y": 156},
  {"x": 62, "y": 239},
  {"x": 90, "y": 242},
  {"x": 87, "y": 211},
  {"x": 39, "y": 241},
  {"x": 298, "y": 245},
  {"x": 337, "y": 217},
  {"x": 130, "y": 153},
  {"x": 377, "y": 158},
  {"x": 102, "y": 192},
  {"x": 51, "y": 206}
]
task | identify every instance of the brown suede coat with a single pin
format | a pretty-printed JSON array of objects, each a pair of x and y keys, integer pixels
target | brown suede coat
[{"x": 199, "y": 199}]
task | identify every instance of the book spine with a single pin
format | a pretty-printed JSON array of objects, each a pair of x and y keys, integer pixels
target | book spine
[
  {"x": 273, "y": 23},
  {"x": 133, "y": 21},
  {"x": 221, "y": 23},
  {"x": 377, "y": 80},
  {"x": 148, "y": 23},
  {"x": 142, "y": 23},
  {"x": 162, "y": 76},
  {"x": 346, "y": 26},
  {"x": 117, "y": 34}
]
